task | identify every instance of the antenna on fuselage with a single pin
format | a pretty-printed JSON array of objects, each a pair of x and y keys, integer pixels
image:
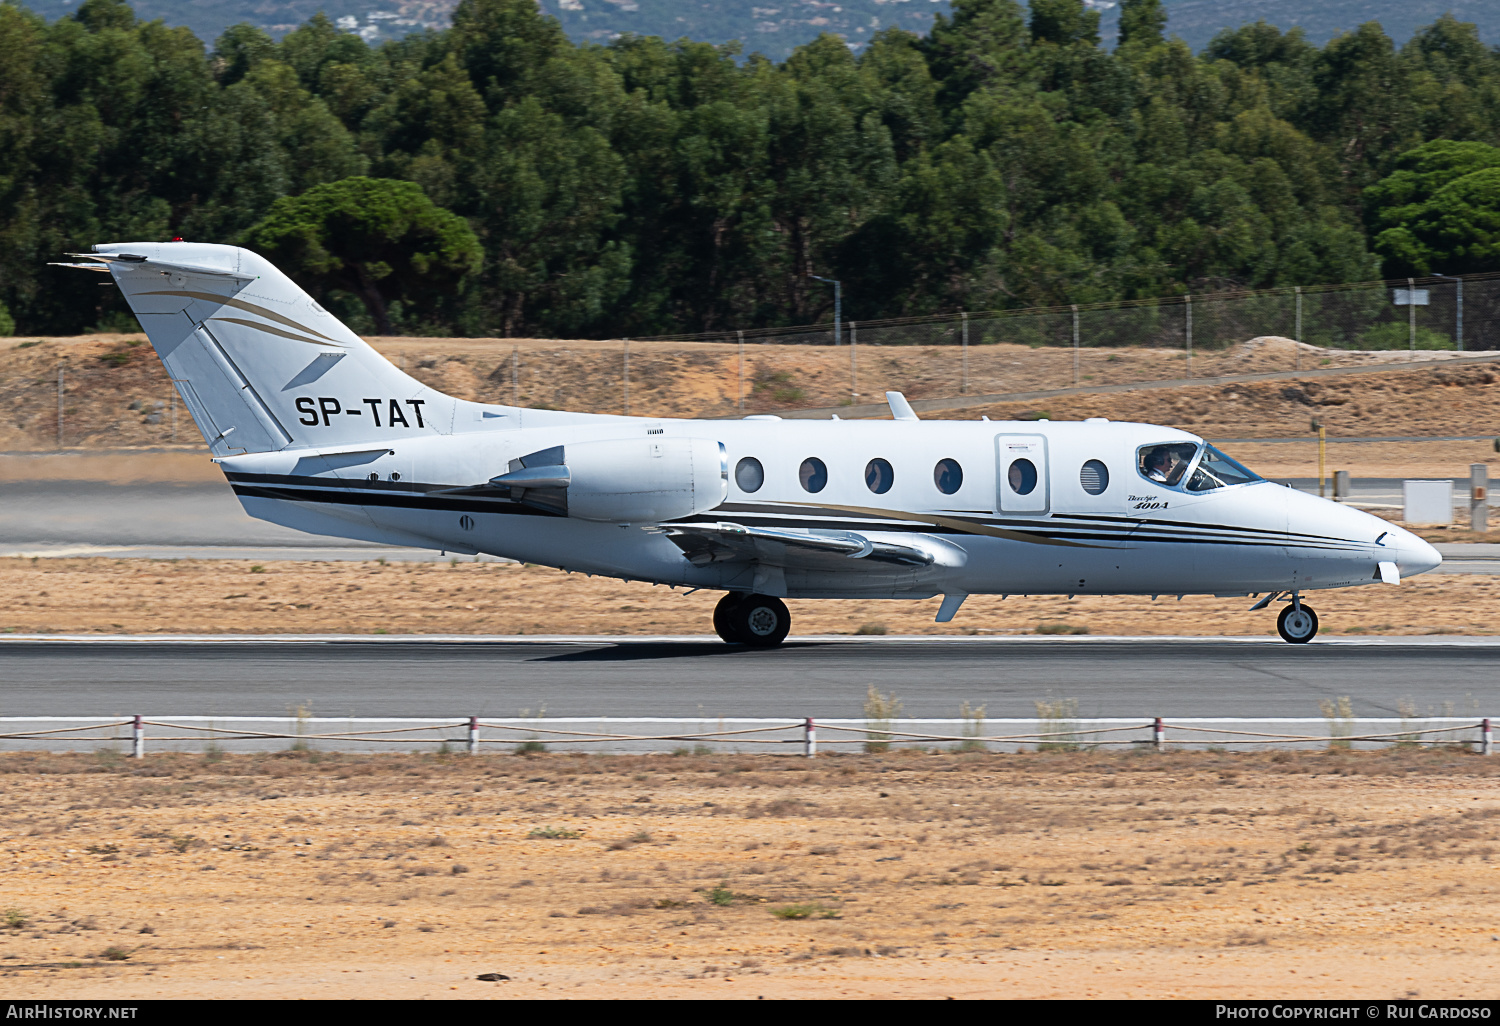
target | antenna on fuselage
[{"x": 900, "y": 408}]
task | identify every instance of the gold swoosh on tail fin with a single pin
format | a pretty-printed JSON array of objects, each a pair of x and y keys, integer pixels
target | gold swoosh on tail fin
[
  {"x": 275, "y": 331},
  {"x": 240, "y": 304}
]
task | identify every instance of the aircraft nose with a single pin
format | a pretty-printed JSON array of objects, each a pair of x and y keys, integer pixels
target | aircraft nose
[{"x": 1414, "y": 556}]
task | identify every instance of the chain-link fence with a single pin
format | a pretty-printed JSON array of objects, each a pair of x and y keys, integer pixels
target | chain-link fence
[
  {"x": 823, "y": 366},
  {"x": 811, "y": 367}
]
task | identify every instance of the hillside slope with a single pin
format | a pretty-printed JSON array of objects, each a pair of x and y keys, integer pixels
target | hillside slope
[{"x": 116, "y": 393}]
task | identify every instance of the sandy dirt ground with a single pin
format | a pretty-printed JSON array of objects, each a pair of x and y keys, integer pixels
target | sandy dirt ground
[
  {"x": 912, "y": 874},
  {"x": 1447, "y": 401},
  {"x": 116, "y": 393},
  {"x": 141, "y": 596}
]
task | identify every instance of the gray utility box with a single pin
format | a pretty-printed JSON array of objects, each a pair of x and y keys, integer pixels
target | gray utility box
[{"x": 1427, "y": 502}]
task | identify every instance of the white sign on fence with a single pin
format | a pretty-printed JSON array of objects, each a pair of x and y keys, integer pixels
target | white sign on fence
[
  {"x": 1413, "y": 297},
  {"x": 1427, "y": 502}
]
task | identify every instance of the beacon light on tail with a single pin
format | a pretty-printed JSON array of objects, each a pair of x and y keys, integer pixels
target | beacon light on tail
[{"x": 317, "y": 431}]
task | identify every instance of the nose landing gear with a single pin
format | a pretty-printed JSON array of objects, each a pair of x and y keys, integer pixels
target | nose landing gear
[
  {"x": 759, "y": 621},
  {"x": 1297, "y": 623}
]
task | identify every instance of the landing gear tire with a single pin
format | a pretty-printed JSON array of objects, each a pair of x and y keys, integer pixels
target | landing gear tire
[
  {"x": 1297, "y": 625},
  {"x": 760, "y": 621},
  {"x": 724, "y": 617}
]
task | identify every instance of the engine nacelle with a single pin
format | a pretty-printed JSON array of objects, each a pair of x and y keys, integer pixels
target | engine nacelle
[{"x": 623, "y": 480}]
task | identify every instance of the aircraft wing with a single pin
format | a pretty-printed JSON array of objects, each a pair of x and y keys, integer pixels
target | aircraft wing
[{"x": 735, "y": 543}]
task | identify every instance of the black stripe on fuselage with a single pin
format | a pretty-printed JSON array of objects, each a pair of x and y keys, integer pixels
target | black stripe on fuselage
[{"x": 1081, "y": 527}]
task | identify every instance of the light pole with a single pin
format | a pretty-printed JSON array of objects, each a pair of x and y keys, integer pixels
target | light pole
[
  {"x": 838, "y": 304},
  {"x": 1459, "y": 334}
]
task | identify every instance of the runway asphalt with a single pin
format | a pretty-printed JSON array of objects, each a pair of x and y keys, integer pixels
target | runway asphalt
[{"x": 819, "y": 677}]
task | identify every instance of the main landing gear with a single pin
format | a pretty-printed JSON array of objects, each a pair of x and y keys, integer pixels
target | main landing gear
[
  {"x": 759, "y": 621},
  {"x": 1297, "y": 623}
]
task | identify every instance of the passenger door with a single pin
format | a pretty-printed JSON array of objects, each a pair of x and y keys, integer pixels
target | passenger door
[{"x": 1023, "y": 481}]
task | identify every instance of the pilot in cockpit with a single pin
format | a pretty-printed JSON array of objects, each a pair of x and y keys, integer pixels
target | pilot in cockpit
[
  {"x": 1158, "y": 463},
  {"x": 1166, "y": 463}
]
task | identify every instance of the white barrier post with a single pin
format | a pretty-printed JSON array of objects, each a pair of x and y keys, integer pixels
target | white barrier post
[
  {"x": 810, "y": 738},
  {"x": 1486, "y": 739},
  {"x": 473, "y": 735},
  {"x": 1159, "y": 735},
  {"x": 137, "y": 740}
]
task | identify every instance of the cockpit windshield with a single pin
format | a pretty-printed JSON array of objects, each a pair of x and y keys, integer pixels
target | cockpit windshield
[
  {"x": 1165, "y": 464},
  {"x": 1215, "y": 470},
  {"x": 1170, "y": 462}
]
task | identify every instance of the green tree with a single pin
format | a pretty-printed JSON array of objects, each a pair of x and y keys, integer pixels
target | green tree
[
  {"x": 239, "y": 49},
  {"x": 1063, "y": 22},
  {"x": 1142, "y": 22},
  {"x": 981, "y": 44},
  {"x": 379, "y": 239},
  {"x": 1364, "y": 109},
  {"x": 1439, "y": 210}
]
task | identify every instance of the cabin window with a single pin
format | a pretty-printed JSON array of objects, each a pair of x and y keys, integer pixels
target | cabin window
[
  {"x": 879, "y": 476},
  {"x": 1166, "y": 463},
  {"x": 948, "y": 476},
  {"x": 1215, "y": 470},
  {"x": 1022, "y": 476},
  {"x": 749, "y": 474},
  {"x": 813, "y": 475},
  {"x": 1094, "y": 476}
]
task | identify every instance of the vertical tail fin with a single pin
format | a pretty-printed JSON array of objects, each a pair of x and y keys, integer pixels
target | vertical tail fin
[{"x": 258, "y": 363}]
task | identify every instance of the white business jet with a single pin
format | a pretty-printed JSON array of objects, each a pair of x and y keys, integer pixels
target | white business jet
[{"x": 317, "y": 431}]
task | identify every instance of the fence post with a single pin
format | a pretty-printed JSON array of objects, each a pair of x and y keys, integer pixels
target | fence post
[
  {"x": 810, "y": 737},
  {"x": 741, "y": 336},
  {"x": 60, "y": 389},
  {"x": 1298, "y": 348},
  {"x": 1460, "y": 338},
  {"x": 1411, "y": 315},
  {"x": 515, "y": 376},
  {"x": 627, "y": 377},
  {"x": 1486, "y": 739},
  {"x": 473, "y": 735},
  {"x": 138, "y": 739},
  {"x": 1479, "y": 499},
  {"x": 1075, "y": 345},
  {"x": 853, "y": 363},
  {"x": 1189, "y": 303},
  {"x": 963, "y": 386},
  {"x": 1159, "y": 735}
]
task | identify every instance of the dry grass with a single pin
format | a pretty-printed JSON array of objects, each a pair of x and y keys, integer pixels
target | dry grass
[
  {"x": 107, "y": 374},
  {"x": 1052, "y": 874}
]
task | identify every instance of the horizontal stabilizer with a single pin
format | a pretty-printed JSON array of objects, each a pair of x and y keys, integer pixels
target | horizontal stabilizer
[
  {"x": 80, "y": 267},
  {"x": 169, "y": 266}
]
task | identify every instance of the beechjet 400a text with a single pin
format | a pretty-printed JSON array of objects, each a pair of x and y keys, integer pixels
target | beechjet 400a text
[{"x": 317, "y": 431}]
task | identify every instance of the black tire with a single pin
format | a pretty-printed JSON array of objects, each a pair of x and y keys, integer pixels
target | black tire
[
  {"x": 761, "y": 621},
  {"x": 724, "y": 617},
  {"x": 1295, "y": 629}
]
